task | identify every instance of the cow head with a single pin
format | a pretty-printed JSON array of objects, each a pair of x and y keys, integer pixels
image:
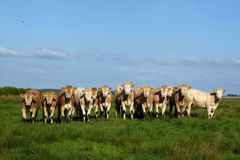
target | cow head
[
  {"x": 147, "y": 90},
  {"x": 184, "y": 88},
  {"x": 105, "y": 90},
  {"x": 28, "y": 98},
  {"x": 128, "y": 88},
  {"x": 49, "y": 97},
  {"x": 170, "y": 91},
  {"x": 68, "y": 90},
  {"x": 88, "y": 94},
  {"x": 217, "y": 93},
  {"x": 94, "y": 93}
]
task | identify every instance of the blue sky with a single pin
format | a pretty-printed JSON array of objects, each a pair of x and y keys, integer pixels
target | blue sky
[{"x": 49, "y": 44}]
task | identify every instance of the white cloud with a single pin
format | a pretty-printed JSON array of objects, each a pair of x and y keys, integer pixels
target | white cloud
[
  {"x": 47, "y": 53},
  {"x": 44, "y": 53}
]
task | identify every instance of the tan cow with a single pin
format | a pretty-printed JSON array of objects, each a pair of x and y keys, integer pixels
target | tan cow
[
  {"x": 30, "y": 104},
  {"x": 127, "y": 98},
  {"x": 49, "y": 104},
  {"x": 177, "y": 100},
  {"x": 143, "y": 97},
  {"x": 78, "y": 93},
  {"x": 88, "y": 101},
  {"x": 105, "y": 98},
  {"x": 161, "y": 97},
  {"x": 202, "y": 99},
  {"x": 118, "y": 103},
  {"x": 66, "y": 103}
]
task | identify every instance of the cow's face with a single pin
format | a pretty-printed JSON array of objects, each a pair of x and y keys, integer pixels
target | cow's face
[
  {"x": 147, "y": 91},
  {"x": 163, "y": 91},
  {"x": 170, "y": 91},
  {"x": 219, "y": 93},
  {"x": 94, "y": 93},
  {"x": 68, "y": 92},
  {"x": 184, "y": 88},
  {"x": 49, "y": 96},
  {"x": 88, "y": 94},
  {"x": 128, "y": 88},
  {"x": 27, "y": 98},
  {"x": 106, "y": 91}
]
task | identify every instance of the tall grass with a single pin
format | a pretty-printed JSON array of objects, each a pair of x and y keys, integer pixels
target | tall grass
[{"x": 162, "y": 138}]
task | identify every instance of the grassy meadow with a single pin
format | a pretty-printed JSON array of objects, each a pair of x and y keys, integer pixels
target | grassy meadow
[{"x": 162, "y": 138}]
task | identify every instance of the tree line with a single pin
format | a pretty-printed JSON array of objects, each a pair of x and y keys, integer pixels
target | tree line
[{"x": 10, "y": 90}]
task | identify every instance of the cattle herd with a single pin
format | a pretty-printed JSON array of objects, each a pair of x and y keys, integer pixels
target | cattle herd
[{"x": 139, "y": 100}]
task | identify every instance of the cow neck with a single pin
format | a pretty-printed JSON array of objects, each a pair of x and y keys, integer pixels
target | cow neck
[{"x": 180, "y": 96}]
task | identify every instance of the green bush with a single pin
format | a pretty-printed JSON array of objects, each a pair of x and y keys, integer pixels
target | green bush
[{"x": 9, "y": 90}]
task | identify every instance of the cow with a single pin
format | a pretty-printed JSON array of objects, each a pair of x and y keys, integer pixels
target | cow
[
  {"x": 105, "y": 98},
  {"x": 31, "y": 102},
  {"x": 127, "y": 98},
  {"x": 88, "y": 101},
  {"x": 66, "y": 103},
  {"x": 49, "y": 104},
  {"x": 161, "y": 97},
  {"x": 118, "y": 103},
  {"x": 202, "y": 99},
  {"x": 177, "y": 99},
  {"x": 78, "y": 93},
  {"x": 143, "y": 97}
]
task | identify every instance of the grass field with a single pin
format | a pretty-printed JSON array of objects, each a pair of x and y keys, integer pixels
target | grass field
[{"x": 162, "y": 138}]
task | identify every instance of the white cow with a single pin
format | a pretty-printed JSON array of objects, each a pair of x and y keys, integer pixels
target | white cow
[{"x": 202, "y": 99}]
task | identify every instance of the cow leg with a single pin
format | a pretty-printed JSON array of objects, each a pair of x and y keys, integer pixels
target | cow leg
[
  {"x": 150, "y": 110},
  {"x": 62, "y": 114},
  {"x": 89, "y": 112},
  {"x": 34, "y": 111},
  {"x": 178, "y": 110},
  {"x": 132, "y": 111},
  {"x": 101, "y": 109},
  {"x": 24, "y": 114},
  {"x": 45, "y": 114},
  {"x": 108, "y": 109},
  {"x": 83, "y": 112},
  {"x": 144, "y": 110},
  {"x": 164, "y": 109},
  {"x": 188, "y": 109},
  {"x": 72, "y": 112},
  {"x": 51, "y": 115},
  {"x": 124, "y": 110},
  {"x": 69, "y": 114},
  {"x": 156, "y": 109},
  {"x": 96, "y": 110}
]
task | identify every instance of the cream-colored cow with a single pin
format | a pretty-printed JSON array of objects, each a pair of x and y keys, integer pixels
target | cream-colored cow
[
  {"x": 88, "y": 101},
  {"x": 105, "y": 98},
  {"x": 202, "y": 99},
  {"x": 177, "y": 100},
  {"x": 161, "y": 97},
  {"x": 143, "y": 97},
  {"x": 31, "y": 103},
  {"x": 127, "y": 98},
  {"x": 78, "y": 93},
  {"x": 50, "y": 100}
]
